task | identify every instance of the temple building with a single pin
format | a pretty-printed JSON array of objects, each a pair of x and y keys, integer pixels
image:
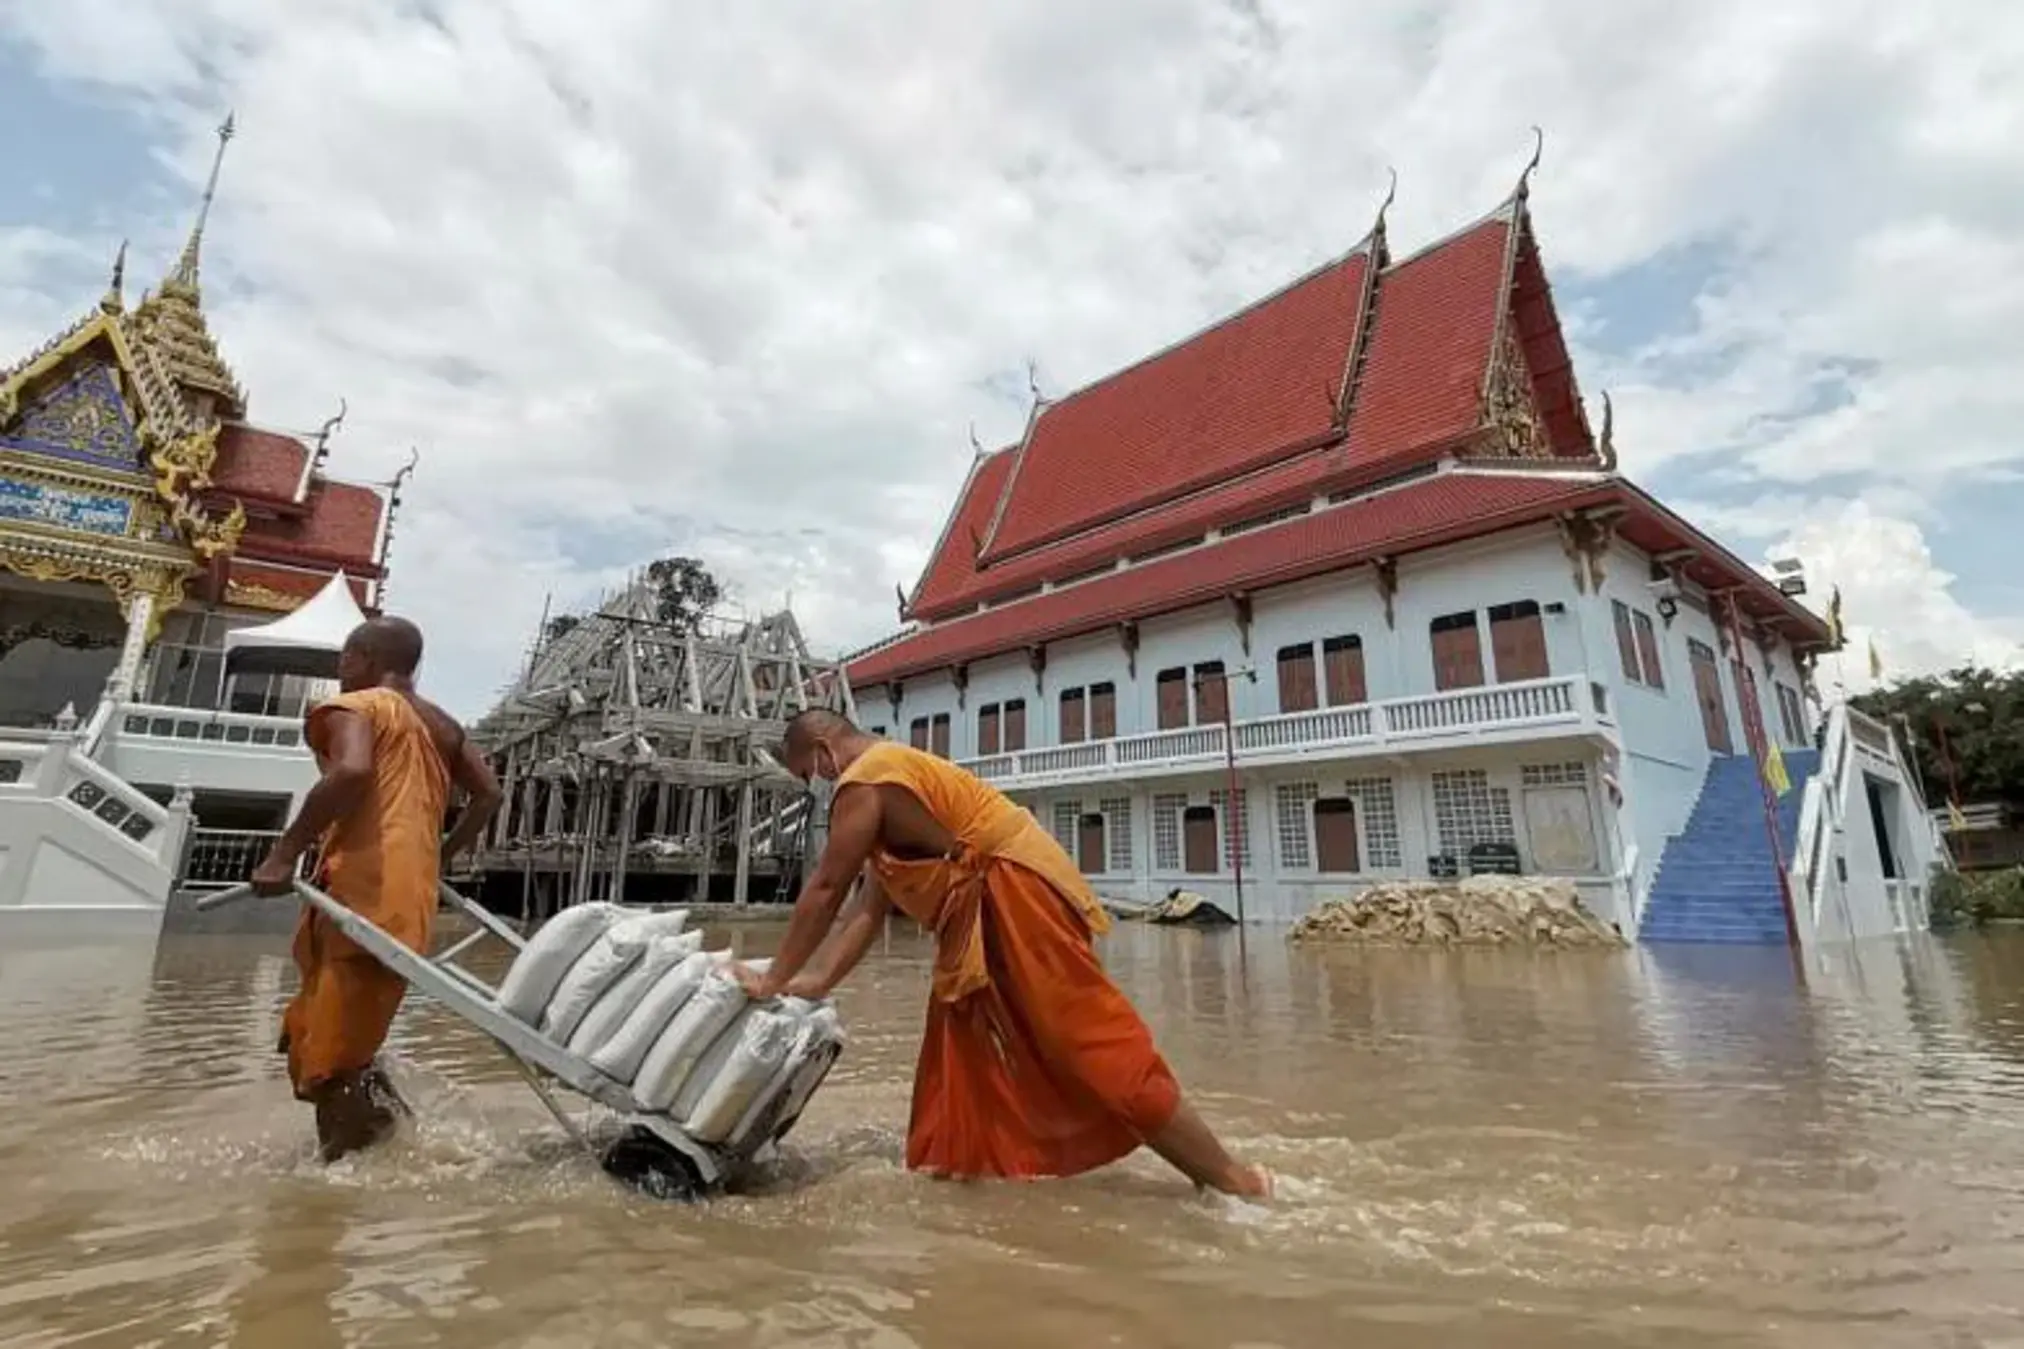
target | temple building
[
  {"x": 143, "y": 516},
  {"x": 1348, "y": 586}
]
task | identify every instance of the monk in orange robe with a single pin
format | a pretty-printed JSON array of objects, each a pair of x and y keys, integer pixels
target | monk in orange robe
[
  {"x": 389, "y": 759},
  {"x": 1033, "y": 1063}
]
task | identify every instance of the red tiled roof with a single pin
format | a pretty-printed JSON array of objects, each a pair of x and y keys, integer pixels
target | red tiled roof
[
  {"x": 1422, "y": 383},
  {"x": 288, "y": 581},
  {"x": 340, "y": 526},
  {"x": 952, "y": 571},
  {"x": 263, "y": 465},
  {"x": 1450, "y": 506},
  {"x": 1261, "y": 384}
]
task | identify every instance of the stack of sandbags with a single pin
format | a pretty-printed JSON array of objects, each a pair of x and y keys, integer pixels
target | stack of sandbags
[
  {"x": 1480, "y": 911},
  {"x": 648, "y": 1007}
]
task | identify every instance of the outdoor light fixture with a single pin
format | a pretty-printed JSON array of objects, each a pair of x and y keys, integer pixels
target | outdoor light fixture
[{"x": 1669, "y": 609}]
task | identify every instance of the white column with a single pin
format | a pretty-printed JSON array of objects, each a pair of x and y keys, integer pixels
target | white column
[{"x": 140, "y": 614}]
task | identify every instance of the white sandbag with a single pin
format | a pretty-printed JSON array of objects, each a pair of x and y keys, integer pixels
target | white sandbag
[
  {"x": 759, "y": 1046},
  {"x": 819, "y": 1026},
  {"x": 610, "y": 1011},
  {"x": 539, "y": 969},
  {"x": 597, "y": 969},
  {"x": 621, "y": 1055},
  {"x": 708, "y": 1011}
]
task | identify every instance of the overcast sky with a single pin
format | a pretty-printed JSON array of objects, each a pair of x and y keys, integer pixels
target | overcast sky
[{"x": 737, "y": 279}]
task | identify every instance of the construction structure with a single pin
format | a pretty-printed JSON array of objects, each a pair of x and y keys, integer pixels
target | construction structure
[{"x": 636, "y": 758}]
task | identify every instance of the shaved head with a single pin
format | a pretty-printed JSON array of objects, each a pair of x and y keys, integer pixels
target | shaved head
[
  {"x": 379, "y": 648},
  {"x": 804, "y": 729},
  {"x": 820, "y": 744}
]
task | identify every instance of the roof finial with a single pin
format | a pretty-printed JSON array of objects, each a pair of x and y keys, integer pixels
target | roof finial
[
  {"x": 1391, "y": 194},
  {"x": 1525, "y": 178},
  {"x": 1033, "y": 381},
  {"x": 976, "y": 444},
  {"x": 185, "y": 274},
  {"x": 115, "y": 297},
  {"x": 1605, "y": 445}
]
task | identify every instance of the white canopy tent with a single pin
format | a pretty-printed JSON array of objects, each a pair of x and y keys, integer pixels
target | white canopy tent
[{"x": 305, "y": 642}]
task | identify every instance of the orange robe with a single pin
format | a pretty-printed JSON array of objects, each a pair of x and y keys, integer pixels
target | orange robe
[
  {"x": 381, "y": 861},
  {"x": 1033, "y": 1063}
]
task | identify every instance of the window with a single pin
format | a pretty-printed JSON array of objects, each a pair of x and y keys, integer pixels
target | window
[
  {"x": 917, "y": 733},
  {"x": 1380, "y": 815},
  {"x": 1236, "y": 825},
  {"x": 1014, "y": 722},
  {"x": 1066, "y": 813},
  {"x": 1559, "y": 817},
  {"x": 1212, "y": 693},
  {"x": 1172, "y": 692},
  {"x": 1167, "y": 831},
  {"x": 1103, "y": 711},
  {"x": 938, "y": 735},
  {"x": 1648, "y": 650},
  {"x": 987, "y": 730},
  {"x": 1342, "y": 663},
  {"x": 1458, "y": 651},
  {"x": 1198, "y": 834},
  {"x": 1791, "y": 714},
  {"x": 1518, "y": 641},
  {"x": 1089, "y": 714},
  {"x": 1291, "y": 803},
  {"x": 1335, "y": 834},
  {"x": 1469, "y": 811},
  {"x": 1117, "y": 819},
  {"x": 1637, "y": 645},
  {"x": 1296, "y": 678},
  {"x": 1626, "y": 642},
  {"x": 1074, "y": 726},
  {"x": 879, "y": 732},
  {"x": 1091, "y": 854}
]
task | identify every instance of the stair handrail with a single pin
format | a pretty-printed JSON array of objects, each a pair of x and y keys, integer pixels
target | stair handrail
[{"x": 1819, "y": 807}]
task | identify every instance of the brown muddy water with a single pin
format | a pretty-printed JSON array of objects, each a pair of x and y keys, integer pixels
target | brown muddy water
[{"x": 1474, "y": 1150}]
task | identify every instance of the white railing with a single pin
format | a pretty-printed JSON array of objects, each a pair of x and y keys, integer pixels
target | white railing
[
  {"x": 1820, "y": 812},
  {"x": 1424, "y": 721},
  {"x": 58, "y": 772},
  {"x": 219, "y": 730}
]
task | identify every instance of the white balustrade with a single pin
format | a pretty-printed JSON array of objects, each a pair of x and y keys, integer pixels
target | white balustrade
[
  {"x": 1457, "y": 715},
  {"x": 233, "y": 730}
]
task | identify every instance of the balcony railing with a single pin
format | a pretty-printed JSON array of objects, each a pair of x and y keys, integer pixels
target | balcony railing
[
  {"x": 1426, "y": 721},
  {"x": 219, "y": 730}
]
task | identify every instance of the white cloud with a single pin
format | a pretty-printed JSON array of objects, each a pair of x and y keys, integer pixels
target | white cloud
[{"x": 736, "y": 279}]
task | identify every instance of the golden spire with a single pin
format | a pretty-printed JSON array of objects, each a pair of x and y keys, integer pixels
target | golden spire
[
  {"x": 171, "y": 321},
  {"x": 115, "y": 292},
  {"x": 185, "y": 275}
]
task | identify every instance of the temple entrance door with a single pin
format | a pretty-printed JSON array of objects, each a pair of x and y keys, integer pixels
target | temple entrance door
[
  {"x": 1198, "y": 840},
  {"x": 1708, "y": 692}
]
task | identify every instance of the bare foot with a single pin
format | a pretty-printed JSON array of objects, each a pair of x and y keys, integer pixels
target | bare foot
[{"x": 1253, "y": 1182}]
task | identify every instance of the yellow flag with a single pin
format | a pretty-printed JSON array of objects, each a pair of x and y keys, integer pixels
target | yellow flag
[
  {"x": 1875, "y": 661},
  {"x": 1774, "y": 770},
  {"x": 1834, "y": 619},
  {"x": 1956, "y": 821}
]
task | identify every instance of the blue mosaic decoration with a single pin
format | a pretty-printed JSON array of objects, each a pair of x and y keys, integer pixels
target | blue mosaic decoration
[
  {"x": 83, "y": 419},
  {"x": 85, "y": 512}
]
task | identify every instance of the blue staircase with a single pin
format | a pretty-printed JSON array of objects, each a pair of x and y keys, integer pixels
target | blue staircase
[{"x": 1716, "y": 880}]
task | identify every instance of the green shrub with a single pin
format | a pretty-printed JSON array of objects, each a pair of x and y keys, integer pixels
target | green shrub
[{"x": 1977, "y": 897}]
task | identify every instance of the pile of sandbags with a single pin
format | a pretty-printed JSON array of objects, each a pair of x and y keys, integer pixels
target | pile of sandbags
[
  {"x": 1480, "y": 911},
  {"x": 648, "y": 1007}
]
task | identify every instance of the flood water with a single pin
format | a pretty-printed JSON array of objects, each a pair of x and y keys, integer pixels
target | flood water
[{"x": 1473, "y": 1150}]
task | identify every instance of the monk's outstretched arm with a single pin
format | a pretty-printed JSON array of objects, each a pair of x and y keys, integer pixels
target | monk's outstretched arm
[
  {"x": 470, "y": 772},
  {"x": 346, "y": 745},
  {"x": 854, "y": 822},
  {"x": 856, "y": 928}
]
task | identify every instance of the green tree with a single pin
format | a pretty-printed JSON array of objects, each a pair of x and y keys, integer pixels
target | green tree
[
  {"x": 687, "y": 592},
  {"x": 559, "y": 625},
  {"x": 1966, "y": 730}
]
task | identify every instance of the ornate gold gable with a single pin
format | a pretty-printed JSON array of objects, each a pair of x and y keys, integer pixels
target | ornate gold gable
[{"x": 151, "y": 376}]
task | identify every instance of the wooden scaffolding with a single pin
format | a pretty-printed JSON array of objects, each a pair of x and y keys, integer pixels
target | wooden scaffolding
[{"x": 636, "y": 762}]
